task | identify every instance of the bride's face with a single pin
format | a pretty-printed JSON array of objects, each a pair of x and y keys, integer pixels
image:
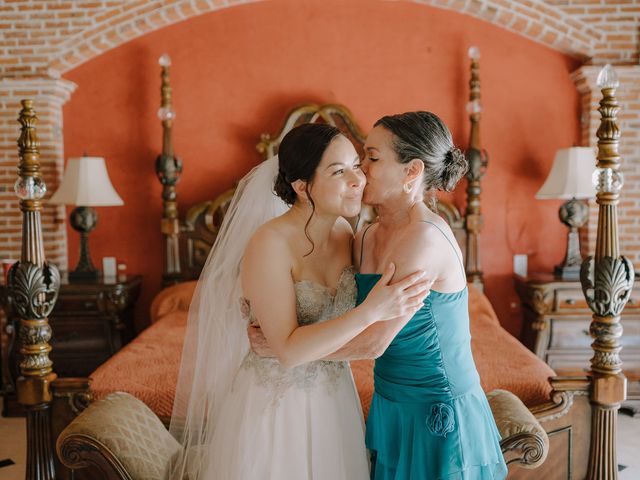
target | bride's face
[{"x": 338, "y": 181}]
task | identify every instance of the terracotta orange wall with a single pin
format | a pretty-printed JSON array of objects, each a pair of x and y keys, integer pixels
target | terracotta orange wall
[{"x": 237, "y": 72}]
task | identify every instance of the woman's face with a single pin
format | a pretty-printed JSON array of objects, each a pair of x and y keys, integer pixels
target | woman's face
[
  {"x": 385, "y": 175},
  {"x": 338, "y": 181}
]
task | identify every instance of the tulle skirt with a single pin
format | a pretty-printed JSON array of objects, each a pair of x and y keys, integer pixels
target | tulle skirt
[{"x": 301, "y": 424}]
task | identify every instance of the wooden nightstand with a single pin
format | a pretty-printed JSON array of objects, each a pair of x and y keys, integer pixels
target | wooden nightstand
[
  {"x": 90, "y": 321},
  {"x": 556, "y": 326}
]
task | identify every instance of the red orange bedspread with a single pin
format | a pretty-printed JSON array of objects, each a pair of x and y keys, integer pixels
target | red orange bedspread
[{"x": 148, "y": 366}]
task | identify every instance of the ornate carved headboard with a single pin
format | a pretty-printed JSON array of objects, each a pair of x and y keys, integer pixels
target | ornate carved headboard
[{"x": 188, "y": 241}]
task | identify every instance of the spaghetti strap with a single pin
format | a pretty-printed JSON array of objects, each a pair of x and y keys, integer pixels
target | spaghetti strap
[
  {"x": 445, "y": 236},
  {"x": 362, "y": 245}
]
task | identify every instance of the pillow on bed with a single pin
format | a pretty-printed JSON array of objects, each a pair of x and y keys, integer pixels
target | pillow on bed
[
  {"x": 171, "y": 299},
  {"x": 481, "y": 311}
]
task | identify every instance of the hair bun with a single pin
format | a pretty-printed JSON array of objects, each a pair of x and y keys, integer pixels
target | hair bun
[
  {"x": 283, "y": 189},
  {"x": 455, "y": 166}
]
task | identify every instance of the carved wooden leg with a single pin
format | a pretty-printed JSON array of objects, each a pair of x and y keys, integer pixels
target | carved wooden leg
[
  {"x": 602, "y": 461},
  {"x": 39, "y": 443}
]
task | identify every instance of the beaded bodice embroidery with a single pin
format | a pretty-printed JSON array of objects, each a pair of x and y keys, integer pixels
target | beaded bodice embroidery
[{"x": 314, "y": 303}]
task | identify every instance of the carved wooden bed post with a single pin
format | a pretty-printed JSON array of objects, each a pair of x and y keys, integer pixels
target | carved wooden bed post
[
  {"x": 477, "y": 165},
  {"x": 33, "y": 286},
  {"x": 606, "y": 281},
  {"x": 168, "y": 170}
]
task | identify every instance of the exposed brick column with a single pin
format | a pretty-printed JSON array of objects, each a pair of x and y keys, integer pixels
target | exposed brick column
[
  {"x": 628, "y": 95},
  {"x": 49, "y": 96}
]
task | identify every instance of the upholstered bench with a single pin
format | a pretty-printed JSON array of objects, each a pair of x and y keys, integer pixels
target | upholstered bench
[{"x": 121, "y": 438}]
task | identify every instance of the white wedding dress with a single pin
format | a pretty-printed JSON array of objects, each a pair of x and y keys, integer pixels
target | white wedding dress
[{"x": 302, "y": 423}]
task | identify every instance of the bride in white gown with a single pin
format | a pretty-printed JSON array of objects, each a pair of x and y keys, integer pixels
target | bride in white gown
[{"x": 293, "y": 417}]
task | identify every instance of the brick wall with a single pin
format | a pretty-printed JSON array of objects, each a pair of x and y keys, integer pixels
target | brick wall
[
  {"x": 42, "y": 39},
  {"x": 50, "y": 95}
]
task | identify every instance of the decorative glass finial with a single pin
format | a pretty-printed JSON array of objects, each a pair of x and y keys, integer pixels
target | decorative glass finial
[
  {"x": 608, "y": 78},
  {"x": 607, "y": 180},
  {"x": 30, "y": 188},
  {"x": 165, "y": 60},
  {"x": 474, "y": 106},
  {"x": 474, "y": 53},
  {"x": 166, "y": 114}
]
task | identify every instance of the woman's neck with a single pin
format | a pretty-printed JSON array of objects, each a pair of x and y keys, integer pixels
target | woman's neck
[
  {"x": 397, "y": 212},
  {"x": 320, "y": 226}
]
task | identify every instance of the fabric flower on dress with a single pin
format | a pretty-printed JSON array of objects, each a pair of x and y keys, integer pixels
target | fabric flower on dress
[{"x": 441, "y": 420}]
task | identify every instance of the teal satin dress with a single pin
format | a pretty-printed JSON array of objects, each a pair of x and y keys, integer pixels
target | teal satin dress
[{"x": 429, "y": 417}]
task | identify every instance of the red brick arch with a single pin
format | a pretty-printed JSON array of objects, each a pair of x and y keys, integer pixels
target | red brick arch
[{"x": 119, "y": 24}]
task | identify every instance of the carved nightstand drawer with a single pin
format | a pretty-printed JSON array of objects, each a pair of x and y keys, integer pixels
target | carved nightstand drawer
[
  {"x": 570, "y": 300},
  {"x": 574, "y": 333},
  {"x": 70, "y": 305},
  {"x": 570, "y": 333}
]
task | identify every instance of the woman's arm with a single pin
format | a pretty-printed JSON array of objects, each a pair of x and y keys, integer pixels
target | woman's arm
[
  {"x": 267, "y": 284},
  {"x": 371, "y": 343},
  {"x": 420, "y": 249}
]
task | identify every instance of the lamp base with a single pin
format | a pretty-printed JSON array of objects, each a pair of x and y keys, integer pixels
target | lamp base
[
  {"x": 84, "y": 219},
  {"x": 573, "y": 214}
]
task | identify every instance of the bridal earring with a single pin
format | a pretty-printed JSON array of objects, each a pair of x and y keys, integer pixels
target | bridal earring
[{"x": 407, "y": 187}]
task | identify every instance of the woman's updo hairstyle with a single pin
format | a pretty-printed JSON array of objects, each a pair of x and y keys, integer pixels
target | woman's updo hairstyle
[
  {"x": 299, "y": 155},
  {"x": 424, "y": 136}
]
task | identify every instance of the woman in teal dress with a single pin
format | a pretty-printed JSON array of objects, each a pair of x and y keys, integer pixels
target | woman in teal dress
[{"x": 429, "y": 417}]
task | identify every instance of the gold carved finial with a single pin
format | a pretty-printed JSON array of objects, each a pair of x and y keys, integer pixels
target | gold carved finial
[
  {"x": 28, "y": 144},
  {"x": 168, "y": 171},
  {"x": 607, "y": 280},
  {"x": 477, "y": 159},
  {"x": 33, "y": 287}
]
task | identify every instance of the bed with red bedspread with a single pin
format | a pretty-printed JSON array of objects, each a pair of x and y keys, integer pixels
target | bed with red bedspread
[{"x": 148, "y": 366}]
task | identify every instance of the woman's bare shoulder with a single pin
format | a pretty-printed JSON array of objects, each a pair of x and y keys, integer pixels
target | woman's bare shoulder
[{"x": 271, "y": 236}]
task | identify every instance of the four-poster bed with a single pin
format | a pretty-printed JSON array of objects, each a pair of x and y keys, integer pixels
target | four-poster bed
[{"x": 561, "y": 406}]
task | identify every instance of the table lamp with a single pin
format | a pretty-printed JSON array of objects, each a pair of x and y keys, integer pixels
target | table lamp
[
  {"x": 570, "y": 179},
  {"x": 85, "y": 184}
]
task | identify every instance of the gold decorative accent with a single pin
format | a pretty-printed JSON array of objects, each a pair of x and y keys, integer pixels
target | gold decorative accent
[
  {"x": 526, "y": 449},
  {"x": 336, "y": 115},
  {"x": 77, "y": 401},
  {"x": 34, "y": 289},
  {"x": 114, "y": 301},
  {"x": 562, "y": 397}
]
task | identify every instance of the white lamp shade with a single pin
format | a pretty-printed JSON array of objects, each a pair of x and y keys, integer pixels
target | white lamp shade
[
  {"x": 86, "y": 184},
  {"x": 570, "y": 175}
]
